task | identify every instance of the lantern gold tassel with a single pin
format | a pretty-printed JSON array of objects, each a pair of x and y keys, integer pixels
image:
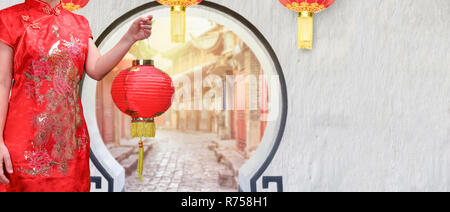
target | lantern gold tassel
[
  {"x": 178, "y": 23},
  {"x": 305, "y": 30},
  {"x": 143, "y": 127},
  {"x": 141, "y": 159}
]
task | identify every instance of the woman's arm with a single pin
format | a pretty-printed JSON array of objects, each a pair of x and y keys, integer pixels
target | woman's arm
[
  {"x": 97, "y": 66},
  {"x": 6, "y": 67}
]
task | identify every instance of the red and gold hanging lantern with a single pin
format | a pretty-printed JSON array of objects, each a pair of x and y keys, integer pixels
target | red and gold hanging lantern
[
  {"x": 178, "y": 17},
  {"x": 306, "y": 10},
  {"x": 74, "y": 5},
  {"x": 143, "y": 92}
]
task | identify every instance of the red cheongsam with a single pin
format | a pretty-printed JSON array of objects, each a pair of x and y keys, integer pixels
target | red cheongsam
[{"x": 45, "y": 131}]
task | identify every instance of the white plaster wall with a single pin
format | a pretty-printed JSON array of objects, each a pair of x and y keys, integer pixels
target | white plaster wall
[{"x": 369, "y": 107}]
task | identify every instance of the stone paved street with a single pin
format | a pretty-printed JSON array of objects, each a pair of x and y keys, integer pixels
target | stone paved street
[{"x": 179, "y": 161}]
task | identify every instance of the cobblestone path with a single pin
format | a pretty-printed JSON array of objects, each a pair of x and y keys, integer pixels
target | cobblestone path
[{"x": 179, "y": 161}]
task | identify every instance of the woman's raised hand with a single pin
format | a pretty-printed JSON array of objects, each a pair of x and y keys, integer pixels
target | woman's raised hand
[
  {"x": 140, "y": 29},
  {"x": 97, "y": 66}
]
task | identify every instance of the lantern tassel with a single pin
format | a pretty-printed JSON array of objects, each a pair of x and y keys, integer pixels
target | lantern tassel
[
  {"x": 141, "y": 160},
  {"x": 305, "y": 30},
  {"x": 141, "y": 129},
  {"x": 178, "y": 23}
]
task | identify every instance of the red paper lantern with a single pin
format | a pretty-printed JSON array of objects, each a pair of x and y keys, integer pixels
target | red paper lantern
[
  {"x": 143, "y": 92},
  {"x": 178, "y": 17},
  {"x": 74, "y": 5},
  {"x": 306, "y": 10}
]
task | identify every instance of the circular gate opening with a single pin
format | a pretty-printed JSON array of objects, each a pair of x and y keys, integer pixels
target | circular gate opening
[{"x": 228, "y": 110}]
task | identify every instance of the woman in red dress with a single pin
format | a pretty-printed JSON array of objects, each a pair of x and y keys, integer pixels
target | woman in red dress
[{"x": 44, "y": 144}]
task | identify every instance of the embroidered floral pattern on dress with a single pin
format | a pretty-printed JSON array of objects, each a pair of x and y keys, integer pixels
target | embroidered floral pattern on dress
[
  {"x": 39, "y": 163},
  {"x": 53, "y": 82}
]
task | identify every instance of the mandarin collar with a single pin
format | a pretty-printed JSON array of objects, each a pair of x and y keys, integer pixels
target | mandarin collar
[{"x": 44, "y": 7}]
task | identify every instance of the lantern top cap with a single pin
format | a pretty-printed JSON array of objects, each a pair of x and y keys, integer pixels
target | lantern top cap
[
  {"x": 185, "y": 3},
  {"x": 307, "y": 5},
  {"x": 143, "y": 63},
  {"x": 143, "y": 119}
]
